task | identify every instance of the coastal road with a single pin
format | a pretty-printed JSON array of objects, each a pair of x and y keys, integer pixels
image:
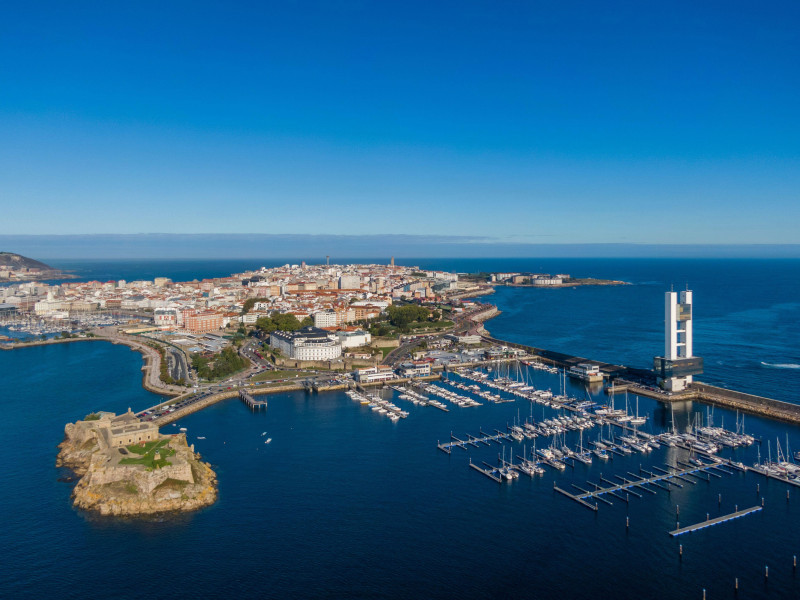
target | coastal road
[{"x": 177, "y": 366}]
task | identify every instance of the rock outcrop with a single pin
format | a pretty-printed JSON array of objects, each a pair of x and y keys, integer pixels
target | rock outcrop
[{"x": 145, "y": 478}]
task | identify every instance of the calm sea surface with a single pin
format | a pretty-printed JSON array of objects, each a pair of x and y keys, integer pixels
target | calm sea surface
[{"x": 345, "y": 504}]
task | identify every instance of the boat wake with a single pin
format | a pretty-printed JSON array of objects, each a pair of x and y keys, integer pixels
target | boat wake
[{"x": 781, "y": 365}]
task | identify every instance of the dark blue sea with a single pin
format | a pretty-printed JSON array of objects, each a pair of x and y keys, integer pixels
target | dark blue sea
[{"x": 346, "y": 504}]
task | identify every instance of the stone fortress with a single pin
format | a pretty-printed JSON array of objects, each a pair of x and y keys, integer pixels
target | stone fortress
[{"x": 124, "y": 472}]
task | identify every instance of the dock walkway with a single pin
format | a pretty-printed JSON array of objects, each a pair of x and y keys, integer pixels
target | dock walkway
[
  {"x": 472, "y": 441},
  {"x": 634, "y": 481},
  {"x": 716, "y": 521},
  {"x": 251, "y": 402}
]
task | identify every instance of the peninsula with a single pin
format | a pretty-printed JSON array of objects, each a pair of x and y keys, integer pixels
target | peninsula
[
  {"x": 18, "y": 268},
  {"x": 127, "y": 468},
  {"x": 539, "y": 280}
]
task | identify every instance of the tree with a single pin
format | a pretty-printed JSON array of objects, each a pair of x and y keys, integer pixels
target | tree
[
  {"x": 286, "y": 322},
  {"x": 266, "y": 324},
  {"x": 307, "y": 322},
  {"x": 250, "y": 303},
  {"x": 403, "y": 316}
]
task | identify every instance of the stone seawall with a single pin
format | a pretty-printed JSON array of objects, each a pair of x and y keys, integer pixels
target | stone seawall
[{"x": 775, "y": 409}]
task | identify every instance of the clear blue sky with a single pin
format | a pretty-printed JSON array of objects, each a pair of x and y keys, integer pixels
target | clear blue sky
[{"x": 564, "y": 122}]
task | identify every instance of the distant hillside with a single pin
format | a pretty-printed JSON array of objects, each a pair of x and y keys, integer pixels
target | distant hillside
[{"x": 9, "y": 259}]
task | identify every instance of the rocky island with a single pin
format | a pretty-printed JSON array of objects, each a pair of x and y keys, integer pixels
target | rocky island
[{"x": 127, "y": 468}]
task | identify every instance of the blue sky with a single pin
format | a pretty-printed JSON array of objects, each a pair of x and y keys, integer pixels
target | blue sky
[{"x": 520, "y": 122}]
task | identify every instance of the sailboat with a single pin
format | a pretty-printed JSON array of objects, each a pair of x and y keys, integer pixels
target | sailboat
[
  {"x": 582, "y": 455},
  {"x": 637, "y": 420}
]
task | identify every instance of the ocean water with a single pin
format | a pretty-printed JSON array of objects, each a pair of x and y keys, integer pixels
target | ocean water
[{"x": 345, "y": 504}]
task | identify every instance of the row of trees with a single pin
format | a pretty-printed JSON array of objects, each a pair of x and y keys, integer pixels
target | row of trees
[
  {"x": 282, "y": 322},
  {"x": 225, "y": 363}
]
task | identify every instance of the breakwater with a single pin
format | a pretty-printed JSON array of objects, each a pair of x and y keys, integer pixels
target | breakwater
[{"x": 700, "y": 392}]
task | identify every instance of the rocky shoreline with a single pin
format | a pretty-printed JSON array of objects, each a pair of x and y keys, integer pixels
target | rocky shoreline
[{"x": 161, "y": 475}]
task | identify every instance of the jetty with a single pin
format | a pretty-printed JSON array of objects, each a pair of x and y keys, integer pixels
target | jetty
[
  {"x": 472, "y": 441},
  {"x": 491, "y": 472},
  {"x": 251, "y": 402},
  {"x": 715, "y": 521},
  {"x": 636, "y": 484}
]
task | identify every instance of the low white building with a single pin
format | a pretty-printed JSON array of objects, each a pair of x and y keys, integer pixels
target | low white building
[
  {"x": 379, "y": 373},
  {"x": 547, "y": 281},
  {"x": 354, "y": 339}
]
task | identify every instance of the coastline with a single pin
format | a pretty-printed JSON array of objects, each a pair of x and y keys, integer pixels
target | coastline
[
  {"x": 576, "y": 283},
  {"x": 151, "y": 368}
]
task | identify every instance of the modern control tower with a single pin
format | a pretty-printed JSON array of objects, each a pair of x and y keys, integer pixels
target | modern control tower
[{"x": 676, "y": 368}]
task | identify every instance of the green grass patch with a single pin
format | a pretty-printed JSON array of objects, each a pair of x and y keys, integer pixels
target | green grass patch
[
  {"x": 271, "y": 375},
  {"x": 386, "y": 349},
  {"x": 147, "y": 454}
]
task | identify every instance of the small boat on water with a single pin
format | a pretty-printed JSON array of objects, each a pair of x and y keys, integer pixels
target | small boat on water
[
  {"x": 268, "y": 440},
  {"x": 201, "y": 437},
  {"x": 263, "y": 434},
  {"x": 183, "y": 429}
]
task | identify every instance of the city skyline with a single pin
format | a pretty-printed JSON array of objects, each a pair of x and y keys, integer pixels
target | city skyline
[
  {"x": 166, "y": 246},
  {"x": 528, "y": 125}
]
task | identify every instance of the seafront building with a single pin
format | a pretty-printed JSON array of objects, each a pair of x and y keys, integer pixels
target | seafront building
[
  {"x": 308, "y": 343},
  {"x": 675, "y": 370}
]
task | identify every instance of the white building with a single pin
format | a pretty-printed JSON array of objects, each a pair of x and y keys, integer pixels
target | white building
[
  {"x": 350, "y": 282},
  {"x": 675, "y": 370},
  {"x": 325, "y": 318},
  {"x": 354, "y": 339},
  {"x": 547, "y": 281},
  {"x": 308, "y": 343},
  {"x": 371, "y": 374},
  {"x": 166, "y": 317}
]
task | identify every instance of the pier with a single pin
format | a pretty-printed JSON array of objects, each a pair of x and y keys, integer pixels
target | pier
[
  {"x": 659, "y": 480},
  {"x": 251, "y": 402},
  {"x": 491, "y": 472},
  {"x": 472, "y": 441},
  {"x": 716, "y": 521}
]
